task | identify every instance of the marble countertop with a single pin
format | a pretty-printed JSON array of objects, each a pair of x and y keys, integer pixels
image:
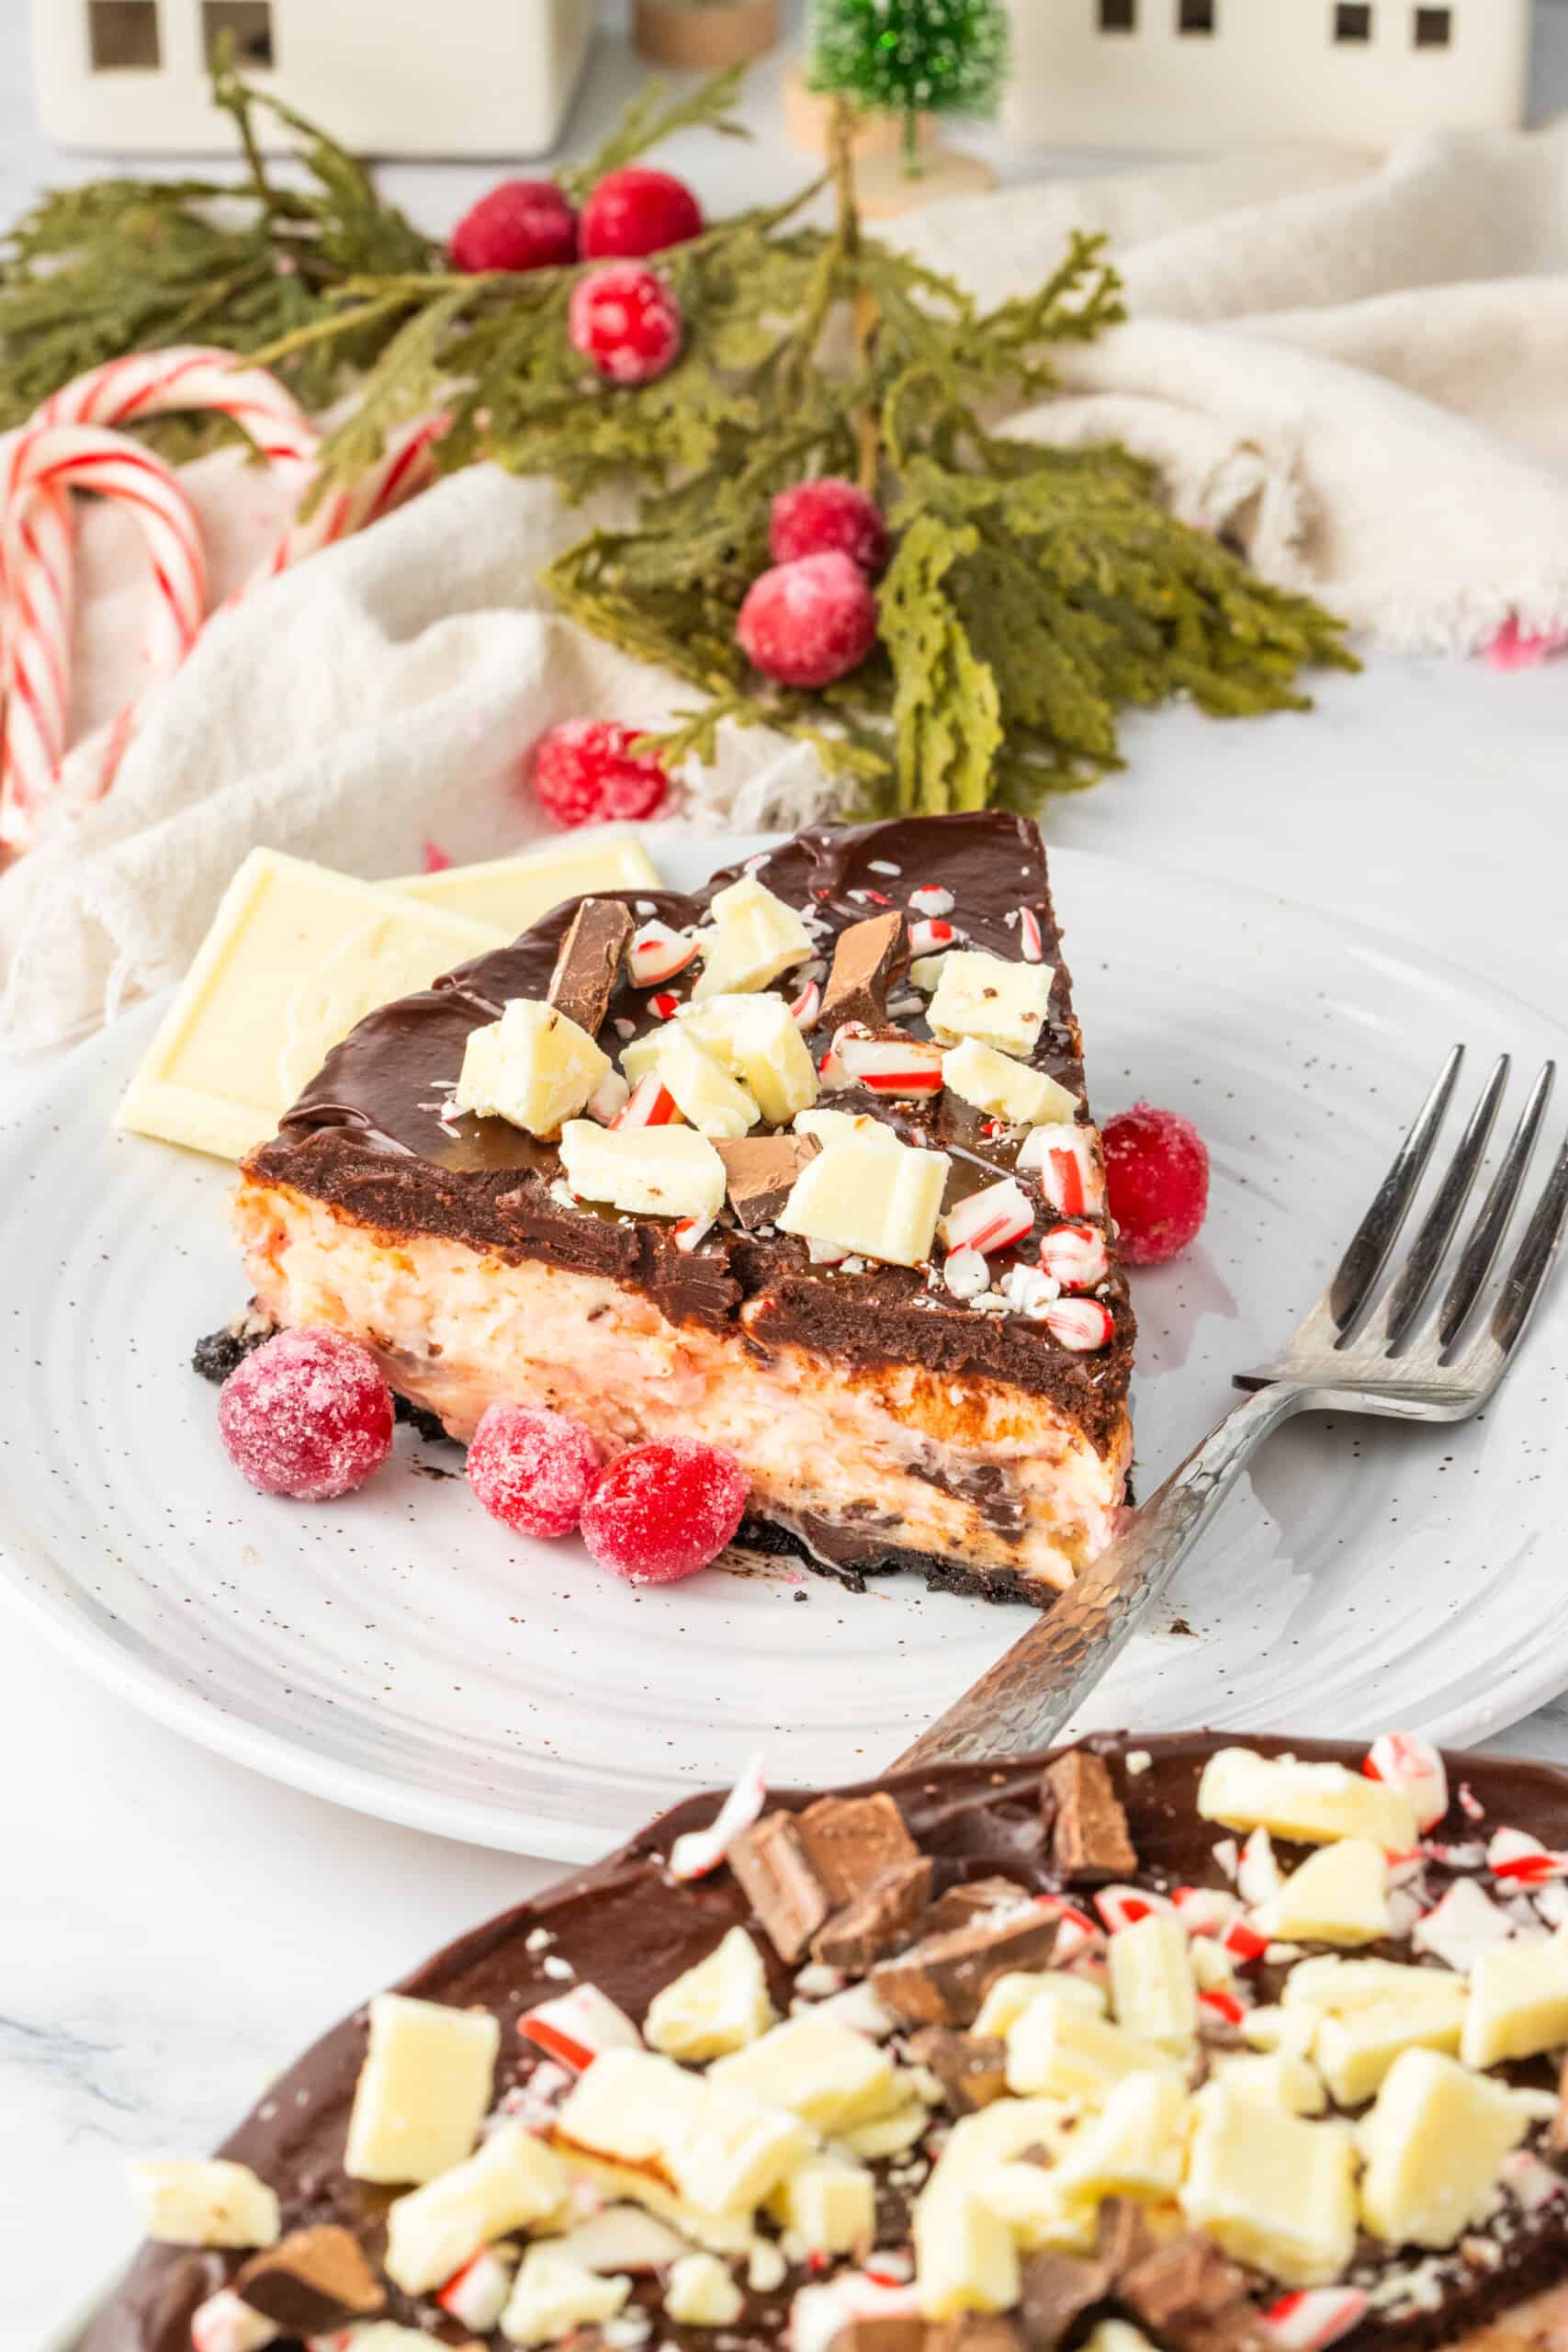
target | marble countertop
[{"x": 174, "y": 1928}]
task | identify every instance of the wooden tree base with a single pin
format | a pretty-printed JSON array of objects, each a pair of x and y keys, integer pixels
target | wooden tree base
[
  {"x": 704, "y": 40},
  {"x": 808, "y": 114},
  {"x": 885, "y": 188}
]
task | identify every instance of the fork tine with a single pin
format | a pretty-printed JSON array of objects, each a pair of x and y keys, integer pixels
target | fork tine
[
  {"x": 1379, "y": 1230},
  {"x": 1528, "y": 1274},
  {"x": 1481, "y": 1250},
  {"x": 1430, "y": 1245}
]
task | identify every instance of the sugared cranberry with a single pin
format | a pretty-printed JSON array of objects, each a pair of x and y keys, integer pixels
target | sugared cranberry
[
  {"x": 532, "y": 1469},
  {"x": 307, "y": 1415},
  {"x": 1157, "y": 1176},
  {"x": 639, "y": 211},
  {"x": 662, "y": 1511},
  {"x": 828, "y": 517},
  {"x": 809, "y": 622},
  {"x": 583, "y": 773},
  {"x": 522, "y": 224},
  {"x": 627, "y": 321}
]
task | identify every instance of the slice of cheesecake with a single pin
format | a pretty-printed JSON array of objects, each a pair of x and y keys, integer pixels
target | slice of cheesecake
[{"x": 800, "y": 1167}]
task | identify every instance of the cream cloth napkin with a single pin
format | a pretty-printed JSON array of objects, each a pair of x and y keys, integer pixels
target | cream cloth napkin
[{"x": 1356, "y": 365}]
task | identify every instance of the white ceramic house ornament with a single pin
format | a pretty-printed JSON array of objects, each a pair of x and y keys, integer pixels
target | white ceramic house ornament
[
  {"x": 388, "y": 77},
  {"x": 1211, "y": 73}
]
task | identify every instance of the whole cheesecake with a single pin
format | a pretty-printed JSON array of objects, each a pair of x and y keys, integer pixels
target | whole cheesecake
[
  {"x": 1188, "y": 2043},
  {"x": 885, "y": 1278}
]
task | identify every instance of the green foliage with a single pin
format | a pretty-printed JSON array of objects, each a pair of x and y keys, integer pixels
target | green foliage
[
  {"x": 1033, "y": 595},
  {"x": 910, "y": 57}
]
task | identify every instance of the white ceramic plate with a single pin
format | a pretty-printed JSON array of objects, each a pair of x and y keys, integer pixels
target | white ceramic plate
[{"x": 399, "y": 1653}]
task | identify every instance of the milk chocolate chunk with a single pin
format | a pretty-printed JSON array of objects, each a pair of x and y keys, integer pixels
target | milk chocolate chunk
[
  {"x": 1057, "y": 2289},
  {"x": 883, "y": 2332},
  {"x": 876, "y": 1920},
  {"x": 943, "y": 1979},
  {"x": 760, "y": 1172},
  {"x": 1193, "y": 2297},
  {"x": 311, "y": 2280},
  {"x": 853, "y": 1840},
  {"x": 776, "y": 1877},
  {"x": 1557, "y": 2137},
  {"x": 867, "y": 959},
  {"x": 1089, "y": 1838},
  {"x": 1124, "y": 2236},
  {"x": 972, "y": 2069},
  {"x": 589, "y": 962},
  {"x": 961, "y": 1906},
  {"x": 973, "y": 2332}
]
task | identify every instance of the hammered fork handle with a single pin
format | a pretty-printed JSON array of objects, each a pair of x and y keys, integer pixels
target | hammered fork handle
[{"x": 1028, "y": 1695}]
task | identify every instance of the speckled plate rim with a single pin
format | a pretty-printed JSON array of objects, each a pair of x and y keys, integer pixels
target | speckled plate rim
[{"x": 494, "y": 1825}]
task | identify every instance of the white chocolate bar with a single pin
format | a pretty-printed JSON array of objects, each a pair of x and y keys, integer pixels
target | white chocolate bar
[{"x": 512, "y": 892}]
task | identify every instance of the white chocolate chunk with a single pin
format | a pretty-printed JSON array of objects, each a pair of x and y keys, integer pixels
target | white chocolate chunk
[
  {"x": 813, "y": 2068},
  {"x": 716, "y": 2149},
  {"x": 1355, "y": 2052},
  {"x": 533, "y": 1068},
  {"x": 209, "y": 2203},
  {"x": 1434, "y": 2146},
  {"x": 925, "y": 972},
  {"x": 847, "y": 1126},
  {"x": 552, "y": 2296},
  {"x": 1063, "y": 2051},
  {"x": 758, "y": 1041},
  {"x": 1342, "y": 1985},
  {"x": 717, "y": 2006},
  {"x": 716, "y": 1104},
  {"x": 865, "y": 1198},
  {"x": 984, "y": 997},
  {"x": 1007, "y": 1089},
  {"x": 1133, "y": 2147},
  {"x": 1314, "y": 1803},
  {"x": 1011, "y": 1995},
  {"x": 1118, "y": 2336},
  {"x": 1339, "y": 1896},
  {"x": 1151, "y": 1983},
  {"x": 1040, "y": 2208},
  {"x": 1288, "y": 2033},
  {"x": 1465, "y": 1924},
  {"x": 1273, "y": 2190},
  {"x": 510, "y": 2182},
  {"x": 1519, "y": 2002},
  {"x": 702, "y": 2293},
  {"x": 755, "y": 938},
  {"x": 965, "y": 2255},
  {"x": 422, "y": 2090},
  {"x": 514, "y": 892},
  {"x": 1275, "y": 2078},
  {"x": 831, "y": 2206},
  {"x": 648, "y": 1171}
]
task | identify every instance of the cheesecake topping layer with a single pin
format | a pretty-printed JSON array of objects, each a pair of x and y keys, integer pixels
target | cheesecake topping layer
[
  {"x": 1193, "y": 2044},
  {"x": 377, "y": 1134}
]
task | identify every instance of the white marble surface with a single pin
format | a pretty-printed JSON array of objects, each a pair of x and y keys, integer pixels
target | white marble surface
[{"x": 173, "y": 1927}]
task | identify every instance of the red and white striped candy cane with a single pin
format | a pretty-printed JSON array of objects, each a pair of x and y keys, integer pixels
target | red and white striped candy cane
[
  {"x": 189, "y": 375},
  {"x": 55, "y": 459},
  {"x": 406, "y": 466}
]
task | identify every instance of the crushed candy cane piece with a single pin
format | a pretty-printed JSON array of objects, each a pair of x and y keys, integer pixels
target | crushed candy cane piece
[
  {"x": 932, "y": 899},
  {"x": 1124, "y": 1907},
  {"x": 225, "y": 2324},
  {"x": 896, "y": 1066},
  {"x": 1229, "y": 2008},
  {"x": 1082, "y": 1323},
  {"x": 1074, "y": 1256},
  {"x": 1520, "y": 1860},
  {"x": 578, "y": 2027},
  {"x": 1204, "y": 1910},
  {"x": 993, "y": 1218},
  {"x": 807, "y": 1006},
  {"x": 1470, "y": 1804},
  {"x": 1462, "y": 1927},
  {"x": 1314, "y": 2317},
  {"x": 701, "y": 1850},
  {"x": 1406, "y": 1762},
  {"x": 1530, "y": 2182},
  {"x": 649, "y": 1105},
  {"x": 656, "y": 953},
  {"x": 609, "y": 1099},
  {"x": 1032, "y": 946},
  {"x": 1067, "y": 1160},
  {"x": 819, "y": 2314},
  {"x": 1257, "y": 1875},
  {"x": 666, "y": 1004},
  {"x": 691, "y": 1232},
  {"x": 965, "y": 1274},
  {"x": 477, "y": 2295},
  {"x": 930, "y": 937}
]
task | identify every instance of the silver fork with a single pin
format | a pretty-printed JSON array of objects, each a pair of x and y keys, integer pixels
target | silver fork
[{"x": 1364, "y": 1348}]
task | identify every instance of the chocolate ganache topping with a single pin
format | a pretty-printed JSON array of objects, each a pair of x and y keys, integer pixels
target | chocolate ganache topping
[
  {"x": 373, "y": 1135},
  {"x": 938, "y": 1874}
]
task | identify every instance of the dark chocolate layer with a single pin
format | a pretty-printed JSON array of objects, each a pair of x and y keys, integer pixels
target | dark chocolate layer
[
  {"x": 625, "y": 1927},
  {"x": 367, "y": 1136}
]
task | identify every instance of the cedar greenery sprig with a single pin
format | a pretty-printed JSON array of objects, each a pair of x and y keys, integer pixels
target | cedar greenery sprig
[{"x": 1034, "y": 594}]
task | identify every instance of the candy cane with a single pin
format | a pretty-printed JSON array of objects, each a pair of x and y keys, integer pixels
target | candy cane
[
  {"x": 157, "y": 383},
  {"x": 54, "y": 458},
  {"x": 407, "y": 467}
]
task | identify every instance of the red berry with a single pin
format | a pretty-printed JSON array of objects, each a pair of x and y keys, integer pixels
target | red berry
[
  {"x": 809, "y": 622},
  {"x": 626, "y": 320},
  {"x": 583, "y": 773},
  {"x": 522, "y": 224},
  {"x": 1156, "y": 1178},
  {"x": 663, "y": 1512},
  {"x": 639, "y": 211},
  {"x": 307, "y": 1415},
  {"x": 828, "y": 517},
  {"x": 532, "y": 1469}
]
